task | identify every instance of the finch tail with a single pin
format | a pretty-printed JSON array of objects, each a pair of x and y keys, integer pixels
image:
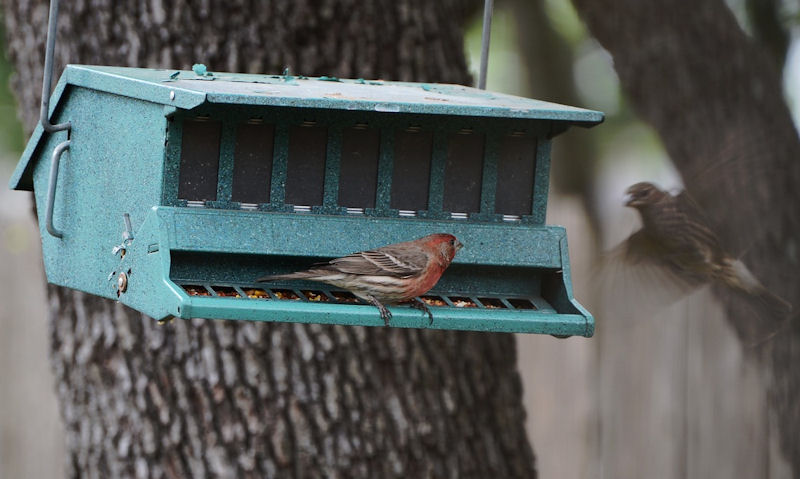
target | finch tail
[
  {"x": 281, "y": 277},
  {"x": 763, "y": 302},
  {"x": 770, "y": 304}
]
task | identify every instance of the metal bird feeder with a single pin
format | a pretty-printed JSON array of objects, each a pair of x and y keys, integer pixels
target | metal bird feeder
[{"x": 177, "y": 189}]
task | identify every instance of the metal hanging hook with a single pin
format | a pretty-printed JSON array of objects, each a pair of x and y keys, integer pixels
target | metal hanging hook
[
  {"x": 487, "y": 30},
  {"x": 44, "y": 118}
]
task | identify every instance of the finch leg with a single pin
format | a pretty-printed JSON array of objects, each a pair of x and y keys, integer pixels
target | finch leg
[
  {"x": 386, "y": 315},
  {"x": 417, "y": 304}
]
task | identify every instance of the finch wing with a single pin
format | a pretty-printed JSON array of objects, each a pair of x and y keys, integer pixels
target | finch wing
[
  {"x": 686, "y": 204},
  {"x": 660, "y": 267},
  {"x": 396, "y": 261},
  {"x": 637, "y": 278},
  {"x": 696, "y": 224}
]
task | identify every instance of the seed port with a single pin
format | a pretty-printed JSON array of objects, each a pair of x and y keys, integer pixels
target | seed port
[
  {"x": 194, "y": 290},
  {"x": 256, "y": 293},
  {"x": 491, "y": 303},
  {"x": 315, "y": 296},
  {"x": 344, "y": 297},
  {"x": 521, "y": 303},
  {"x": 285, "y": 294},
  {"x": 226, "y": 291},
  {"x": 433, "y": 300},
  {"x": 462, "y": 302}
]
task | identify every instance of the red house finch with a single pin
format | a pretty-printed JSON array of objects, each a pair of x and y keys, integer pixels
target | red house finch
[
  {"x": 674, "y": 238},
  {"x": 391, "y": 274}
]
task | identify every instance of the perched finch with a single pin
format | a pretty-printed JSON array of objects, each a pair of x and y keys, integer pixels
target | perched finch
[
  {"x": 674, "y": 238},
  {"x": 391, "y": 274}
]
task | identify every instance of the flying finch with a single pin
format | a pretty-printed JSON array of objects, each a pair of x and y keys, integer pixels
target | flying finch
[
  {"x": 674, "y": 238},
  {"x": 388, "y": 275}
]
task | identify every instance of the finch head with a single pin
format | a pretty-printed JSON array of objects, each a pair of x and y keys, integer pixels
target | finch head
[
  {"x": 447, "y": 245},
  {"x": 642, "y": 194}
]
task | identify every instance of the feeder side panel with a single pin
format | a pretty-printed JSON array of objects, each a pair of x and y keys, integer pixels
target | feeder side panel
[{"x": 114, "y": 166}]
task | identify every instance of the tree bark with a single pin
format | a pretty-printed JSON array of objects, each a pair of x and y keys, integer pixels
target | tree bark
[
  {"x": 249, "y": 399},
  {"x": 716, "y": 100}
]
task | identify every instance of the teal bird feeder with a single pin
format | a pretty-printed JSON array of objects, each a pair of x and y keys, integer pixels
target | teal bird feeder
[
  {"x": 173, "y": 191},
  {"x": 178, "y": 189}
]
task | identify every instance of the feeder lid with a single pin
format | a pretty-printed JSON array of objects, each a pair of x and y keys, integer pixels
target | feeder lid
[
  {"x": 189, "y": 89},
  {"x": 193, "y": 88}
]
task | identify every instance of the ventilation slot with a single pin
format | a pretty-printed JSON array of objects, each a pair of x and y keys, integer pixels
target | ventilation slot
[
  {"x": 412, "y": 169},
  {"x": 305, "y": 175},
  {"x": 358, "y": 174},
  {"x": 199, "y": 162}
]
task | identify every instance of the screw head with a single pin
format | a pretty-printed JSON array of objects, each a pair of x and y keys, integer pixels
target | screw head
[{"x": 122, "y": 282}]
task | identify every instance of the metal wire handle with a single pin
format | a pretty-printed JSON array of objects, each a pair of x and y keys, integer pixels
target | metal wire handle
[
  {"x": 487, "y": 31},
  {"x": 44, "y": 120},
  {"x": 44, "y": 117},
  {"x": 51, "y": 189}
]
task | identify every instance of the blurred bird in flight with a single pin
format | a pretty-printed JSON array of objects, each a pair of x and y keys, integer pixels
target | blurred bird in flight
[
  {"x": 675, "y": 240},
  {"x": 388, "y": 275}
]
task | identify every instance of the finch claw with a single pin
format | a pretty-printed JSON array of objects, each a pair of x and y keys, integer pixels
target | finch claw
[
  {"x": 418, "y": 304},
  {"x": 386, "y": 315}
]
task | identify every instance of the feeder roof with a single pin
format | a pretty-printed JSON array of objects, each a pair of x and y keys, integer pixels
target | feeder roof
[
  {"x": 189, "y": 89},
  {"x": 192, "y": 89}
]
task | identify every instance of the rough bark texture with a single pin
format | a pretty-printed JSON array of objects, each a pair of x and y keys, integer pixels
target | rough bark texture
[
  {"x": 716, "y": 100},
  {"x": 237, "y": 399}
]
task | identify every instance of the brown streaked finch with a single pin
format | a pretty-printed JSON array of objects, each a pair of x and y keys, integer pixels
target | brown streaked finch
[
  {"x": 674, "y": 237},
  {"x": 388, "y": 275}
]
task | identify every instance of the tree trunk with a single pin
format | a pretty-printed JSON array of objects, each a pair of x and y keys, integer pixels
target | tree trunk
[
  {"x": 716, "y": 100},
  {"x": 250, "y": 399}
]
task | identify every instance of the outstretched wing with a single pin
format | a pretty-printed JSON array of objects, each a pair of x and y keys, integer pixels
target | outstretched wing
[
  {"x": 637, "y": 278},
  {"x": 658, "y": 266}
]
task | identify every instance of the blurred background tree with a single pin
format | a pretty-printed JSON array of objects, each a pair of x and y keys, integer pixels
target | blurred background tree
[{"x": 12, "y": 140}]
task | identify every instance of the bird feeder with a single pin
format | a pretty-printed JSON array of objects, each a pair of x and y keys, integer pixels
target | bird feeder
[{"x": 174, "y": 190}]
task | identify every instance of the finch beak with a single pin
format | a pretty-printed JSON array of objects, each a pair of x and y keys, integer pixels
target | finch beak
[
  {"x": 458, "y": 245},
  {"x": 628, "y": 199}
]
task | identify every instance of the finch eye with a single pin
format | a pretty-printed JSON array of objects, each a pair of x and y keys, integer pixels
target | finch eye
[{"x": 452, "y": 242}]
